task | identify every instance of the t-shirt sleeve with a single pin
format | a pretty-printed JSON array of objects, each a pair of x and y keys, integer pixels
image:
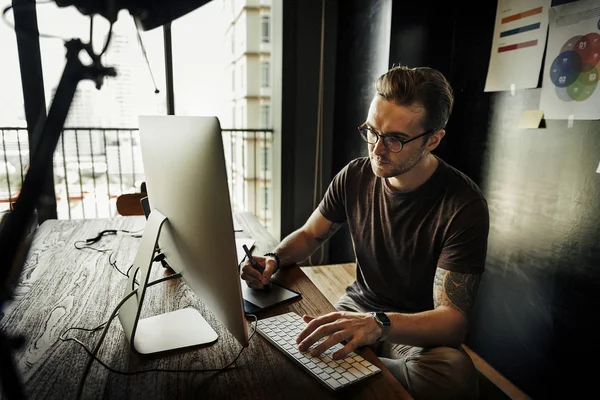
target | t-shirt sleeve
[
  {"x": 465, "y": 245},
  {"x": 333, "y": 204}
]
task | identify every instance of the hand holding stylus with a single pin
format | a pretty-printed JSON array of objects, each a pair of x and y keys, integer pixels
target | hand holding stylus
[{"x": 254, "y": 280}]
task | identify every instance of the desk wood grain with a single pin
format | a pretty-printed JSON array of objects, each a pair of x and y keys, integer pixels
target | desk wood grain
[{"x": 62, "y": 287}]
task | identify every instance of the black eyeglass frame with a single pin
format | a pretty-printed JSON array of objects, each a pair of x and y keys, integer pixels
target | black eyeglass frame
[{"x": 365, "y": 127}]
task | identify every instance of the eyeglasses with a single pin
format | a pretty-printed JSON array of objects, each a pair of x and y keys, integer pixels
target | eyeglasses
[{"x": 391, "y": 142}]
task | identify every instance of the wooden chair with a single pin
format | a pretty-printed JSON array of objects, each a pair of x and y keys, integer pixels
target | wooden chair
[{"x": 129, "y": 203}]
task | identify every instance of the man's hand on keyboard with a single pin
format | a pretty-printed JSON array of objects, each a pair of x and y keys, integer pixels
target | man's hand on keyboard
[
  {"x": 354, "y": 329},
  {"x": 254, "y": 278}
]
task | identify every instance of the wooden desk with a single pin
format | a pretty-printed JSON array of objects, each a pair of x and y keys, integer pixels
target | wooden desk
[{"x": 62, "y": 287}]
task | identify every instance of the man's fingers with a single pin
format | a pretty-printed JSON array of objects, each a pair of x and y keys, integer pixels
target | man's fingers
[
  {"x": 344, "y": 351},
  {"x": 330, "y": 341},
  {"x": 317, "y": 334},
  {"x": 270, "y": 266},
  {"x": 315, "y": 323},
  {"x": 251, "y": 281},
  {"x": 249, "y": 271}
]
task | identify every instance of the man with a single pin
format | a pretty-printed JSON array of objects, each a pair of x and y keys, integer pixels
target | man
[{"x": 419, "y": 229}]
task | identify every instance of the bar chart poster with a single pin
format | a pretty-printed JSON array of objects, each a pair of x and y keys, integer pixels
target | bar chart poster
[
  {"x": 518, "y": 45},
  {"x": 572, "y": 66}
]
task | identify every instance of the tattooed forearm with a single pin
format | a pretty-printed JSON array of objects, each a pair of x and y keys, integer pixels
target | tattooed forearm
[
  {"x": 455, "y": 289},
  {"x": 333, "y": 228}
]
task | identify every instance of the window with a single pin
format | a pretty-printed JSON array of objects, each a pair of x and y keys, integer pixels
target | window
[
  {"x": 265, "y": 29},
  {"x": 242, "y": 116},
  {"x": 265, "y": 74},
  {"x": 266, "y": 197},
  {"x": 265, "y": 157},
  {"x": 265, "y": 116},
  {"x": 233, "y": 79},
  {"x": 242, "y": 75}
]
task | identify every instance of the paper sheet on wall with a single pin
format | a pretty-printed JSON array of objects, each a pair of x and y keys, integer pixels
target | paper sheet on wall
[
  {"x": 570, "y": 85},
  {"x": 518, "y": 45}
]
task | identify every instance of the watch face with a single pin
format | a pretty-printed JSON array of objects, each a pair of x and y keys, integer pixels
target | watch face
[{"x": 383, "y": 318}]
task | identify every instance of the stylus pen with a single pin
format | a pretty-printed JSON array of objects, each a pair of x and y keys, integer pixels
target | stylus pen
[{"x": 255, "y": 264}]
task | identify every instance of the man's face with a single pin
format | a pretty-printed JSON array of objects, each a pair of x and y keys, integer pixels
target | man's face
[{"x": 404, "y": 122}]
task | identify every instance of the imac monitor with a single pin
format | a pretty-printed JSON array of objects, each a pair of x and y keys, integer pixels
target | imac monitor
[{"x": 192, "y": 223}]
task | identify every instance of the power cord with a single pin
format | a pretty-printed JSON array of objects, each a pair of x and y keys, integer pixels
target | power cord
[
  {"x": 143, "y": 371},
  {"x": 105, "y": 232},
  {"x": 86, "y": 244},
  {"x": 46, "y": 35},
  {"x": 93, "y": 353}
]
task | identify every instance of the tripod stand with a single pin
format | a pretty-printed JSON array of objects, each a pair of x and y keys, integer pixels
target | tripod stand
[{"x": 17, "y": 227}]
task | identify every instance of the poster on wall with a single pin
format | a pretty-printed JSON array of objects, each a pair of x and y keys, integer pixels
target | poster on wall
[
  {"x": 518, "y": 45},
  {"x": 570, "y": 84}
]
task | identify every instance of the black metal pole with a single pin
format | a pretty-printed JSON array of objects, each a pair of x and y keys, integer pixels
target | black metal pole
[
  {"x": 169, "y": 68},
  {"x": 32, "y": 81},
  {"x": 18, "y": 226}
]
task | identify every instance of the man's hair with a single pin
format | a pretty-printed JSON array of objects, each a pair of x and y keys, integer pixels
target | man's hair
[{"x": 425, "y": 86}]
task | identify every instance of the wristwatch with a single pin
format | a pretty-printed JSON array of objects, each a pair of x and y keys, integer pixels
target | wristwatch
[{"x": 384, "y": 323}]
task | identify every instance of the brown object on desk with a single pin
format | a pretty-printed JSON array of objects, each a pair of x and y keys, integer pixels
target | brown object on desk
[
  {"x": 62, "y": 287},
  {"x": 129, "y": 204}
]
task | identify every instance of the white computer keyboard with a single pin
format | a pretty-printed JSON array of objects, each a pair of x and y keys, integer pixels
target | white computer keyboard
[{"x": 282, "y": 331}]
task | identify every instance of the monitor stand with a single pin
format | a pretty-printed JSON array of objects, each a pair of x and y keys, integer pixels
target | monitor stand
[{"x": 168, "y": 331}]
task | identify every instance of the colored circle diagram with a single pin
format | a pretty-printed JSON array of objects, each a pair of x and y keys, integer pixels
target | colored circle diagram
[{"x": 575, "y": 71}]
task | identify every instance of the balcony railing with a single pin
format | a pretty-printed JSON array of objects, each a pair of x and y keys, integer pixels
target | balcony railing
[{"x": 93, "y": 166}]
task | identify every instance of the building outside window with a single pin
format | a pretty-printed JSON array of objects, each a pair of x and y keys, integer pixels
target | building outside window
[
  {"x": 265, "y": 116},
  {"x": 265, "y": 74},
  {"x": 265, "y": 30},
  {"x": 266, "y": 196},
  {"x": 266, "y": 155},
  {"x": 242, "y": 75}
]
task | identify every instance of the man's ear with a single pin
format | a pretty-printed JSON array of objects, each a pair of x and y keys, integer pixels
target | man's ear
[{"x": 435, "y": 139}]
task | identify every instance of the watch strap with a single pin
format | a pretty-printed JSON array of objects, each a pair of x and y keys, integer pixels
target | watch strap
[
  {"x": 385, "y": 326},
  {"x": 276, "y": 257}
]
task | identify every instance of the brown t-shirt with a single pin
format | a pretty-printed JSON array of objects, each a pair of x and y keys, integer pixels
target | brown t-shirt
[{"x": 400, "y": 239}]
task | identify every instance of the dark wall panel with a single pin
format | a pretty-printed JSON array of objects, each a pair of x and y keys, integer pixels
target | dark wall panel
[
  {"x": 363, "y": 55},
  {"x": 537, "y": 301},
  {"x": 303, "y": 62}
]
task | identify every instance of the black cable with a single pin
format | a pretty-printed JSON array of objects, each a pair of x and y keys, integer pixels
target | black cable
[
  {"x": 49, "y": 36},
  {"x": 134, "y": 280},
  {"x": 143, "y": 371},
  {"x": 105, "y": 330},
  {"x": 141, "y": 43},
  {"x": 107, "y": 42},
  {"x": 128, "y": 270},
  {"x": 35, "y": 33},
  {"x": 114, "y": 265},
  {"x": 106, "y": 232},
  {"x": 86, "y": 245},
  {"x": 110, "y": 262},
  {"x": 91, "y": 30}
]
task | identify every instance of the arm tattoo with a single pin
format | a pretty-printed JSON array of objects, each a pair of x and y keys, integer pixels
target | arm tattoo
[
  {"x": 333, "y": 228},
  {"x": 455, "y": 289}
]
